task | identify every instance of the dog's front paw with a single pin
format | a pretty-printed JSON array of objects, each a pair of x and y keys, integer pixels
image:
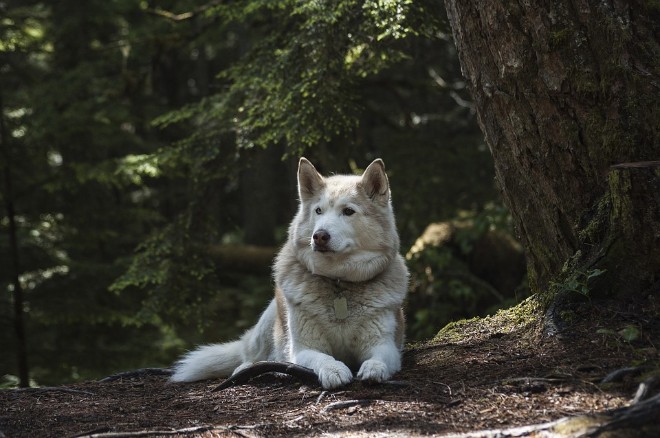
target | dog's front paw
[
  {"x": 374, "y": 370},
  {"x": 334, "y": 374}
]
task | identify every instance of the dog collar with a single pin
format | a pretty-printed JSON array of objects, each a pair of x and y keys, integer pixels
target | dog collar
[
  {"x": 341, "y": 307},
  {"x": 340, "y": 304}
]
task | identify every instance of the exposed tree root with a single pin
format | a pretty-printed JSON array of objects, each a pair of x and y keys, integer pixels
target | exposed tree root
[
  {"x": 303, "y": 374},
  {"x": 165, "y": 432}
]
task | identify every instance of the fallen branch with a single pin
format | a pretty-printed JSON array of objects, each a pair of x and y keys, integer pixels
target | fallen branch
[
  {"x": 184, "y": 15},
  {"x": 161, "y": 432},
  {"x": 303, "y": 374},
  {"x": 529, "y": 380},
  {"x": 646, "y": 388},
  {"x": 620, "y": 374},
  {"x": 345, "y": 404},
  {"x": 249, "y": 259}
]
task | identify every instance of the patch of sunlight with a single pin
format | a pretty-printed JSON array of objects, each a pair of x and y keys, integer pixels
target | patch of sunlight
[
  {"x": 353, "y": 54},
  {"x": 30, "y": 280},
  {"x": 137, "y": 166}
]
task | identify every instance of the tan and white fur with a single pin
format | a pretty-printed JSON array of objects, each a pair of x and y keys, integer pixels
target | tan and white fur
[{"x": 340, "y": 285}]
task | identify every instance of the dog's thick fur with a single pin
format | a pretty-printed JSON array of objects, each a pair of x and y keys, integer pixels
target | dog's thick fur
[{"x": 340, "y": 285}]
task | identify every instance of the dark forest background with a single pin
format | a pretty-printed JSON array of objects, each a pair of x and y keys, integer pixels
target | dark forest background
[{"x": 149, "y": 151}]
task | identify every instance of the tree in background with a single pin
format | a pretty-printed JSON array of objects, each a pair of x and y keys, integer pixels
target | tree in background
[
  {"x": 567, "y": 96},
  {"x": 153, "y": 125},
  {"x": 69, "y": 124},
  {"x": 342, "y": 82}
]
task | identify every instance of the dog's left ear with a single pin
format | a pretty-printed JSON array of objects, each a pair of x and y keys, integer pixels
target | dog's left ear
[{"x": 375, "y": 182}]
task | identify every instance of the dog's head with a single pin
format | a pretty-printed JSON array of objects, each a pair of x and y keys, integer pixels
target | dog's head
[{"x": 345, "y": 224}]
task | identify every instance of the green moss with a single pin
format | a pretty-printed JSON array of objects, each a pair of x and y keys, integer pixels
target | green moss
[
  {"x": 592, "y": 233},
  {"x": 504, "y": 321},
  {"x": 455, "y": 330}
]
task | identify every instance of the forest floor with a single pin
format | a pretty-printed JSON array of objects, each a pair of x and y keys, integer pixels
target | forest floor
[{"x": 493, "y": 373}]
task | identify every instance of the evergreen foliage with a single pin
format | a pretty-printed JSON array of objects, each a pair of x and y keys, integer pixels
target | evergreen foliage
[{"x": 136, "y": 129}]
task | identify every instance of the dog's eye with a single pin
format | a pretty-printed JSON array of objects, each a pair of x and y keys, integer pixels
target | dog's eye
[
  {"x": 318, "y": 210},
  {"x": 348, "y": 211}
]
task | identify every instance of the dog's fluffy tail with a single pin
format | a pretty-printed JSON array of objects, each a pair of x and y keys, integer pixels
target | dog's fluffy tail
[
  {"x": 209, "y": 361},
  {"x": 221, "y": 360}
]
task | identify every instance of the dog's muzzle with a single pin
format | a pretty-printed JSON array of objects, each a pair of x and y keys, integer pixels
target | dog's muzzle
[{"x": 321, "y": 239}]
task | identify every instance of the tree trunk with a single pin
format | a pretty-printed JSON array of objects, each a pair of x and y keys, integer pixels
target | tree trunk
[
  {"x": 17, "y": 289},
  {"x": 247, "y": 259},
  {"x": 564, "y": 89}
]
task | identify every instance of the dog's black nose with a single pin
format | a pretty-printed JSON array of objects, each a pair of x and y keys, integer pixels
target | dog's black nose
[{"x": 321, "y": 237}]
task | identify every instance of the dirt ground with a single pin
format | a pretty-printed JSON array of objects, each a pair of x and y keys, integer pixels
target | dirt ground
[{"x": 491, "y": 373}]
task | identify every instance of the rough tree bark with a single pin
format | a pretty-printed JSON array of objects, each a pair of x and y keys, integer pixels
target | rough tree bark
[{"x": 564, "y": 90}]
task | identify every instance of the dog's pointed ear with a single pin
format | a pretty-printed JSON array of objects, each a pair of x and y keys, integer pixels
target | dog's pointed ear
[
  {"x": 375, "y": 182},
  {"x": 309, "y": 180}
]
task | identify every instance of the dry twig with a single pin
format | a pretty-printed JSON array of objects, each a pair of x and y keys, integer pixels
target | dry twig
[{"x": 53, "y": 389}]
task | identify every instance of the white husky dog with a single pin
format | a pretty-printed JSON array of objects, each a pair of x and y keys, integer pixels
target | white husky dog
[{"x": 340, "y": 285}]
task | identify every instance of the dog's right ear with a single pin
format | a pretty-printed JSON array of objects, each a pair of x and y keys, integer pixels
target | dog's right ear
[{"x": 309, "y": 180}]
